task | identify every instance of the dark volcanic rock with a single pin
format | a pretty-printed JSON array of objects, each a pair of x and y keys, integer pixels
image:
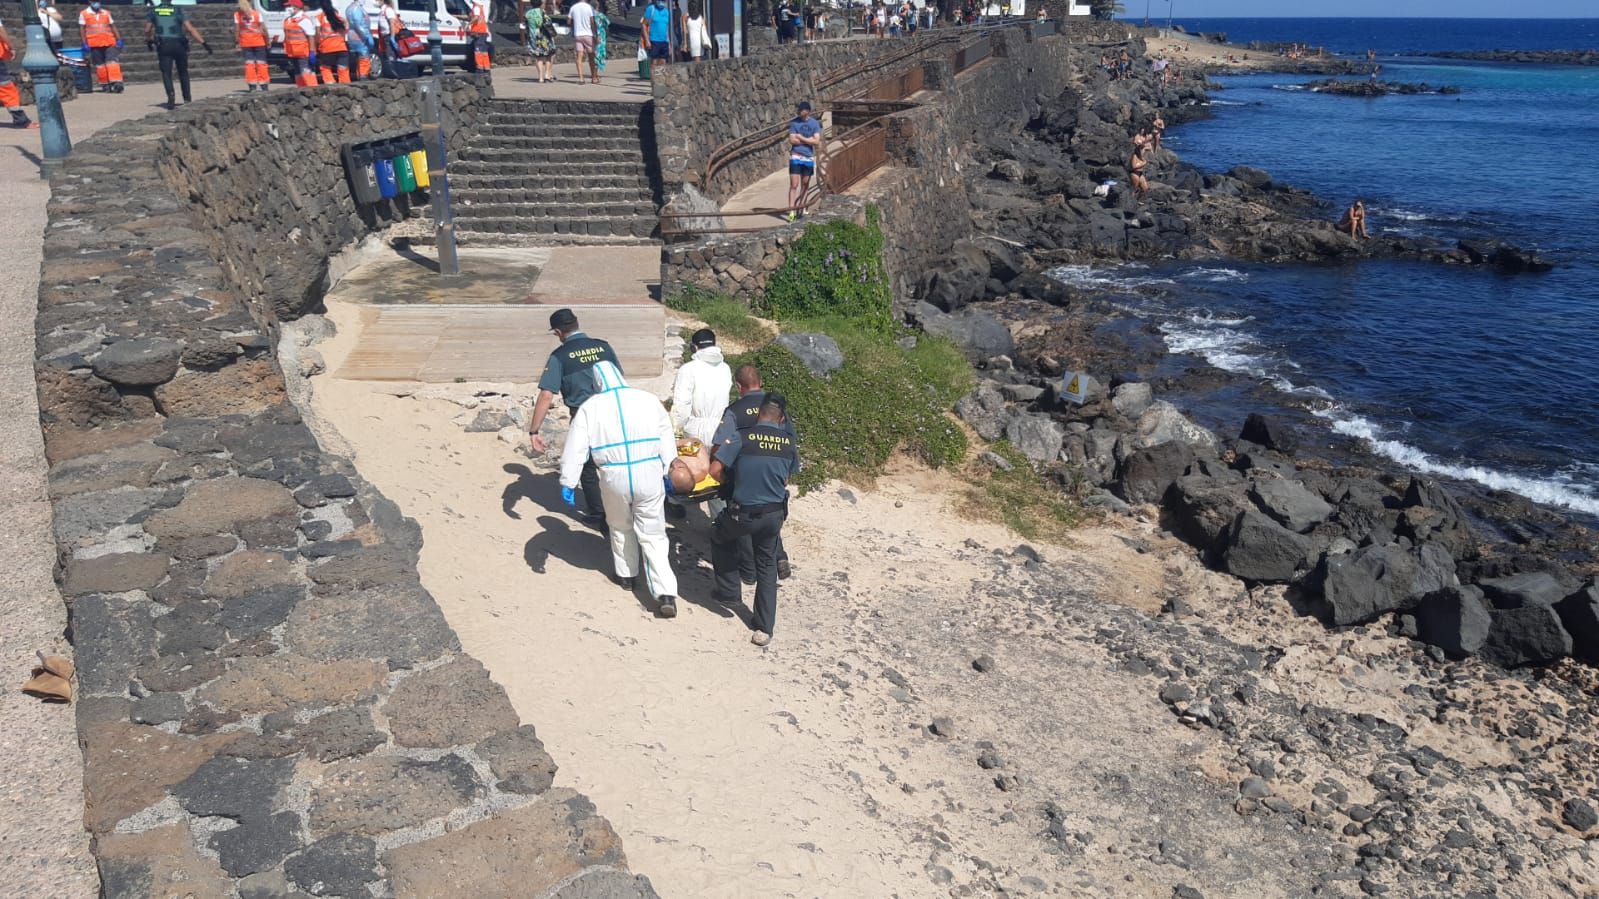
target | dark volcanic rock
[
  {"x": 980, "y": 334},
  {"x": 1346, "y": 88},
  {"x": 139, "y": 363},
  {"x": 1374, "y": 580},
  {"x": 1145, "y": 475},
  {"x": 819, "y": 352},
  {"x": 1579, "y": 815},
  {"x": 1291, "y": 503},
  {"x": 1529, "y": 588},
  {"x": 1531, "y": 635},
  {"x": 1270, "y": 433},
  {"x": 1259, "y": 549},
  {"x": 339, "y": 865},
  {"x": 1455, "y": 620},
  {"x": 1579, "y": 612},
  {"x": 1202, "y": 508},
  {"x": 984, "y": 409}
]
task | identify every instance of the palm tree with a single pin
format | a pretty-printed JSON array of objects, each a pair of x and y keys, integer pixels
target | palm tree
[{"x": 1108, "y": 9}]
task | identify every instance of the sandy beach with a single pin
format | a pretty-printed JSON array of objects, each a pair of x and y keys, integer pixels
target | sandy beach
[{"x": 863, "y": 753}]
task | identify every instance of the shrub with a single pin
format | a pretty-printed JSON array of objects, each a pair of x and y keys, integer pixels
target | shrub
[
  {"x": 723, "y": 314},
  {"x": 1023, "y": 499},
  {"x": 884, "y": 399},
  {"x": 834, "y": 269}
]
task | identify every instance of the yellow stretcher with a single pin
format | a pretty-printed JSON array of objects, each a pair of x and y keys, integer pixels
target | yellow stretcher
[{"x": 707, "y": 486}]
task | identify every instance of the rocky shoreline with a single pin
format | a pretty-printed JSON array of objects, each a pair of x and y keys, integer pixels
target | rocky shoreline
[
  {"x": 1352, "y": 543},
  {"x": 1341, "y": 88},
  {"x": 1530, "y": 57}
]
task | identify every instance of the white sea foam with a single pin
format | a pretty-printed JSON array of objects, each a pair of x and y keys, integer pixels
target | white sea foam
[
  {"x": 1217, "y": 275},
  {"x": 1564, "y": 489},
  {"x": 1228, "y": 103},
  {"x": 1288, "y": 87},
  {"x": 1223, "y": 343},
  {"x": 1120, "y": 277}
]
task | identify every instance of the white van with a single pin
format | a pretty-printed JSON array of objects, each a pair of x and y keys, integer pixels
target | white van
[{"x": 453, "y": 18}]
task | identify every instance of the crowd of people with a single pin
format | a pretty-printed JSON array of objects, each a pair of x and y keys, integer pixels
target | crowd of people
[{"x": 627, "y": 460}]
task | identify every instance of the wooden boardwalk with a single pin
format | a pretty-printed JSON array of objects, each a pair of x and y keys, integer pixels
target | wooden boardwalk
[{"x": 493, "y": 343}]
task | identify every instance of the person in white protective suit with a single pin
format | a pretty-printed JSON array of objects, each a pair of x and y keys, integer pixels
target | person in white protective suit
[
  {"x": 629, "y": 435},
  {"x": 700, "y": 393}
]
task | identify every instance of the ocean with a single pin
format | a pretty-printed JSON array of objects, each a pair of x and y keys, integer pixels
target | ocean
[{"x": 1470, "y": 374}]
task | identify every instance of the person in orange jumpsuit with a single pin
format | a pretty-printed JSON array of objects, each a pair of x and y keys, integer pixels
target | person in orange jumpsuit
[
  {"x": 100, "y": 35},
  {"x": 297, "y": 29},
  {"x": 478, "y": 30},
  {"x": 10, "y": 97},
  {"x": 252, "y": 35},
  {"x": 332, "y": 51}
]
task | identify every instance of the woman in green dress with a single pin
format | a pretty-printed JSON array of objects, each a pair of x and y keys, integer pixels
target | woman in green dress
[
  {"x": 541, "y": 40},
  {"x": 602, "y": 33}
]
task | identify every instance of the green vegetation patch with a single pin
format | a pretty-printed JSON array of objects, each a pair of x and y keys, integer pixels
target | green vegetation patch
[
  {"x": 884, "y": 399},
  {"x": 728, "y": 317},
  {"x": 1028, "y": 502},
  {"x": 835, "y": 269}
]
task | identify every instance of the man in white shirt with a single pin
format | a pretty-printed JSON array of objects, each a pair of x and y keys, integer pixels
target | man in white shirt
[
  {"x": 702, "y": 389},
  {"x": 581, "y": 15}
]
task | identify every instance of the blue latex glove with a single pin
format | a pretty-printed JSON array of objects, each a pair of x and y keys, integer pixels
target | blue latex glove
[
  {"x": 569, "y": 496},
  {"x": 667, "y": 480}
]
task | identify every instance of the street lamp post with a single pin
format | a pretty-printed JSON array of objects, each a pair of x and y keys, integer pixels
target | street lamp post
[
  {"x": 438, "y": 176},
  {"x": 41, "y": 64}
]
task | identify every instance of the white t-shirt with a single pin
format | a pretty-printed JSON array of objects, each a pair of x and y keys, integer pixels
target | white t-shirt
[
  {"x": 697, "y": 41},
  {"x": 51, "y": 26},
  {"x": 582, "y": 19}
]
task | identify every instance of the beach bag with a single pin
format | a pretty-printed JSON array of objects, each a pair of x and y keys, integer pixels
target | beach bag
[{"x": 409, "y": 43}]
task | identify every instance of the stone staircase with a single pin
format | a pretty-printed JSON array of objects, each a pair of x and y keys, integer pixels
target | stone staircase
[
  {"x": 545, "y": 173},
  {"x": 139, "y": 64}
]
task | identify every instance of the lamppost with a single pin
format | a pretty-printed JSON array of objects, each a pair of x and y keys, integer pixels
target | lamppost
[
  {"x": 438, "y": 176},
  {"x": 41, "y": 64}
]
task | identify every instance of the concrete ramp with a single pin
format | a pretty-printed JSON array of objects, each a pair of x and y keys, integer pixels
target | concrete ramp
[{"x": 493, "y": 343}]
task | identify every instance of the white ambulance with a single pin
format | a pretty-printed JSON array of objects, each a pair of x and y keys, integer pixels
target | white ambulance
[{"x": 453, "y": 18}]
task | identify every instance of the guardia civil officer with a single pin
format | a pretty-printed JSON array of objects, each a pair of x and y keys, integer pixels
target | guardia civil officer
[
  {"x": 569, "y": 372},
  {"x": 760, "y": 462},
  {"x": 741, "y": 415},
  {"x": 167, "y": 31}
]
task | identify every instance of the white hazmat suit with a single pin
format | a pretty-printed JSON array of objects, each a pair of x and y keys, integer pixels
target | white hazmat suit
[
  {"x": 629, "y": 434},
  {"x": 700, "y": 394}
]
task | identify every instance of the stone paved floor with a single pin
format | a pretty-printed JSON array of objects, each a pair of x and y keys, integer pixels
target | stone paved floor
[{"x": 44, "y": 850}]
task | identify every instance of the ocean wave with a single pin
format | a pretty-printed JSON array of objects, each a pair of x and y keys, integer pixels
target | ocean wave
[
  {"x": 1088, "y": 277},
  {"x": 1228, "y": 103},
  {"x": 1288, "y": 87},
  {"x": 1561, "y": 490},
  {"x": 1216, "y": 275},
  {"x": 1223, "y": 343}
]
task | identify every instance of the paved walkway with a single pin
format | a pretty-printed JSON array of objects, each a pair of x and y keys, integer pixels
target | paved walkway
[{"x": 44, "y": 849}]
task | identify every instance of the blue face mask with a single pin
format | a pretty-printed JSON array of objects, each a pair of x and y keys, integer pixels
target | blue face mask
[{"x": 95, "y": 5}]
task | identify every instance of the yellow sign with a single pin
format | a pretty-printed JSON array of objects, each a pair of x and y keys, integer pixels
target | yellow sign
[{"x": 1074, "y": 387}]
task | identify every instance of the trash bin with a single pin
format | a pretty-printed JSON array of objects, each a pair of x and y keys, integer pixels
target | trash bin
[{"x": 77, "y": 59}]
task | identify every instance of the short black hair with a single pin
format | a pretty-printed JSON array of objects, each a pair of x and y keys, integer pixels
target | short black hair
[{"x": 774, "y": 403}]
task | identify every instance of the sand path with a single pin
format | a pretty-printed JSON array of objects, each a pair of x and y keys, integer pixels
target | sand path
[{"x": 808, "y": 769}]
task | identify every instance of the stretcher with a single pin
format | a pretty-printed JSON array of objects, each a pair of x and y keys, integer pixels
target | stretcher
[{"x": 693, "y": 455}]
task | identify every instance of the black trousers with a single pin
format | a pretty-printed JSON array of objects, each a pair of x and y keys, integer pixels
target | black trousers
[
  {"x": 762, "y": 530},
  {"x": 174, "y": 52},
  {"x": 589, "y": 480},
  {"x": 746, "y": 557}
]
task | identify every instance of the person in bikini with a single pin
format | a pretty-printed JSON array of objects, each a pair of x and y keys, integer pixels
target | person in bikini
[
  {"x": 1138, "y": 164},
  {"x": 1354, "y": 221}
]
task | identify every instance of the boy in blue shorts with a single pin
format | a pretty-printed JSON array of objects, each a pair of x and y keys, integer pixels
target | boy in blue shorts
[{"x": 804, "y": 136}]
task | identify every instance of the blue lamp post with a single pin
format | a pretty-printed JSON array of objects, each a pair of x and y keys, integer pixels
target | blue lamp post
[
  {"x": 438, "y": 174},
  {"x": 41, "y": 65}
]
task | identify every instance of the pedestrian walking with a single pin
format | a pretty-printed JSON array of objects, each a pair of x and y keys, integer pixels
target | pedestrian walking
[
  {"x": 759, "y": 464},
  {"x": 167, "y": 31},
  {"x": 10, "y": 96},
  {"x": 699, "y": 40},
  {"x": 297, "y": 31},
  {"x": 358, "y": 36},
  {"x": 541, "y": 41},
  {"x": 478, "y": 32},
  {"x": 568, "y": 373},
  {"x": 104, "y": 41},
  {"x": 581, "y": 15},
  {"x": 249, "y": 28},
  {"x": 627, "y": 434},
  {"x": 602, "y": 35},
  {"x": 332, "y": 50},
  {"x": 656, "y": 31},
  {"x": 741, "y": 416}
]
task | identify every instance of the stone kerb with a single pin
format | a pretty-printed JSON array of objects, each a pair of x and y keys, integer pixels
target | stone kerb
[{"x": 270, "y": 703}]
